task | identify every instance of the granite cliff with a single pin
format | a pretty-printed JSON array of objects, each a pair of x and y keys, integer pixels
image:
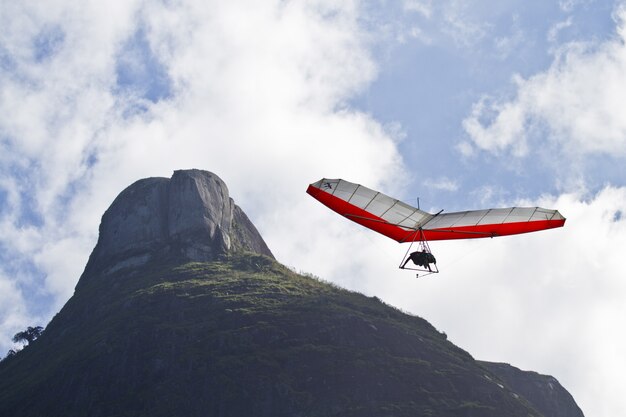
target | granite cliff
[
  {"x": 183, "y": 311},
  {"x": 189, "y": 217}
]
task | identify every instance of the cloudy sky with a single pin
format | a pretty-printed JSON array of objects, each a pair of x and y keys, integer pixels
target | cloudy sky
[{"x": 504, "y": 103}]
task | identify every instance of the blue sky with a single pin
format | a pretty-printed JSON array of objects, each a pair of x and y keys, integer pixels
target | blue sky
[
  {"x": 431, "y": 74},
  {"x": 462, "y": 105}
]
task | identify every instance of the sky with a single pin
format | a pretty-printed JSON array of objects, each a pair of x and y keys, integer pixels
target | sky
[{"x": 464, "y": 105}]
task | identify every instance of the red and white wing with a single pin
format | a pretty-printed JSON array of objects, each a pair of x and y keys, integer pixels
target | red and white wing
[{"x": 400, "y": 221}]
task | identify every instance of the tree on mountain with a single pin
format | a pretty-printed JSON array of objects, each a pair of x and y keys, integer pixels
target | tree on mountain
[{"x": 28, "y": 336}]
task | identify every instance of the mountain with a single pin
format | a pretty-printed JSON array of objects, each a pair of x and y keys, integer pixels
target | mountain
[
  {"x": 183, "y": 311},
  {"x": 544, "y": 392}
]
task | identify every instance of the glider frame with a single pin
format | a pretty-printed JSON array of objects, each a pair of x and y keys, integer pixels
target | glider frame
[{"x": 423, "y": 247}]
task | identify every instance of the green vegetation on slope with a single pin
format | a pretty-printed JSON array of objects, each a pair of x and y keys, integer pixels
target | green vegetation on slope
[{"x": 242, "y": 336}]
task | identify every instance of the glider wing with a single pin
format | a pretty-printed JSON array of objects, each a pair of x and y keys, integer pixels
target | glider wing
[{"x": 401, "y": 222}]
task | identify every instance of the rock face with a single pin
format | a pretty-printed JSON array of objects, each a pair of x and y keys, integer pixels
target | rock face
[
  {"x": 188, "y": 217},
  {"x": 544, "y": 392}
]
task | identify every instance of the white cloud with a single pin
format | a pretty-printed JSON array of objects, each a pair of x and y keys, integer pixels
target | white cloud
[
  {"x": 258, "y": 94},
  {"x": 550, "y": 301},
  {"x": 511, "y": 43},
  {"x": 553, "y": 33},
  {"x": 443, "y": 183},
  {"x": 423, "y": 7},
  {"x": 460, "y": 25},
  {"x": 506, "y": 130},
  {"x": 569, "y": 5},
  {"x": 440, "y": 22},
  {"x": 13, "y": 314},
  {"x": 576, "y": 105}
]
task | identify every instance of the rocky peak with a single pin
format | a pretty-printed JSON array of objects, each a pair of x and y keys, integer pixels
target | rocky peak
[{"x": 189, "y": 216}]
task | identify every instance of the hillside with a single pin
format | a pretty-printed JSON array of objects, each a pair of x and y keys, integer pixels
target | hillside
[{"x": 244, "y": 336}]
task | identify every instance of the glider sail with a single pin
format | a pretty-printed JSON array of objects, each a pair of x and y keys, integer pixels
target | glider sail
[{"x": 404, "y": 223}]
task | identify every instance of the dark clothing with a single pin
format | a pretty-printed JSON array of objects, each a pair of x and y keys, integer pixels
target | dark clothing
[{"x": 423, "y": 259}]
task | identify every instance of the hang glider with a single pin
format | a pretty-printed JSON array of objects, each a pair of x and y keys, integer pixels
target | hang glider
[{"x": 404, "y": 223}]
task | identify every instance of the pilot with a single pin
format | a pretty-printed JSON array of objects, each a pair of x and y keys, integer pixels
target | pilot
[{"x": 421, "y": 258}]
